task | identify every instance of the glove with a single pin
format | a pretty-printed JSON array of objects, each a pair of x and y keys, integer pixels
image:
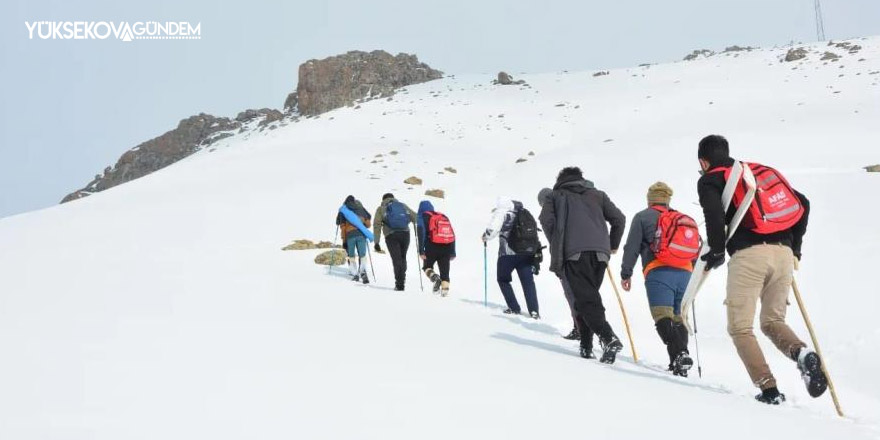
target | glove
[
  {"x": 713, "y": 259},
  {"x": 377, "y": 247},
  {"x": 536, "y": 268}
]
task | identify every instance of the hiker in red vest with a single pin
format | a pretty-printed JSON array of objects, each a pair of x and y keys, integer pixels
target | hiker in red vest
[
  {"x": 668, "y": 242},
  {"x": 436, "y": 242}
]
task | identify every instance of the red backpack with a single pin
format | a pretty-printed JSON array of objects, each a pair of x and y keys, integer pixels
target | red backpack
[
  {"x": 775, "y": 208},
  {"x": 439, "y": 228},
  {"x": 676, "y": 239}
]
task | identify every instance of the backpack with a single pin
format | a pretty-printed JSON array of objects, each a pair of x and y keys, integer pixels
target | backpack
[
  {"x": 523, "y": 237},
  {"x": 439, "y": 228},
  {"x": 676, "y": 239},
  {"x": 396, "y": 217},
  {"x": 775, "y": 208}
]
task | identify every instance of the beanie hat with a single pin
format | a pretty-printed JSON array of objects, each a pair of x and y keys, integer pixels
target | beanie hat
[
  {"x": 659, "y": 194},
  {"x": 387, "y": 196},
  {"x": 544, "y": 196}
]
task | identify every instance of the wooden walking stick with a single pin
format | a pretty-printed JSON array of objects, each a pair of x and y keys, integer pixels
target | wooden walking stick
[
  {"x": 623, "y": 311},
  {"x": 800, "y": 301}
]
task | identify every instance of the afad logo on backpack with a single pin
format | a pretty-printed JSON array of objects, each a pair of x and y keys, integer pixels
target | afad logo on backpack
[{"x": 776, "y": 206}]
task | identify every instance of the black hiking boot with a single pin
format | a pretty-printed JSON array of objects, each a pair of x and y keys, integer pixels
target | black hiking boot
[
  {"x": 398, "y": 287},
  {"x": 509, "y": 311},
  {"x": 574, "y": 335},
  {"x": 535, "y": 315},
  {"x": 356, "y": 278},
  {"x": 810, "y": 365},
  {"x": 771, "y": 396},
  {"x": 364, "y": 278},
  {"x": 587, "y": 353},
  {"x": 610, "y": 350},
  {"x": 682, "y": 364}
]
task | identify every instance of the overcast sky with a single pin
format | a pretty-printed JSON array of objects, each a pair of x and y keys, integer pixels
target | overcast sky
[{"x": 71, "y": 107}]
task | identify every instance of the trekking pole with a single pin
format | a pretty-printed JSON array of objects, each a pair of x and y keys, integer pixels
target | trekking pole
[
  {"x": 418, "y": 261},
  {"x": 632, "y": 346},
  {"x": 485, "y": 276},
  {"x": 696, "y": 340},
  {"x": 333, "y": 251},
  {"x": 800, "y": 301},
  {"x": 370, "y": 255}
]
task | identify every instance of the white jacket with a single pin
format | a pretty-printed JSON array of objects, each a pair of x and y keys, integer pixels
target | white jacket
[{"x": 501, "y": 223}]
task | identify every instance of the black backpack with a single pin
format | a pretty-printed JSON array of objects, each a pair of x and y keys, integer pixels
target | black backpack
[{"x": 523, "y": 237}]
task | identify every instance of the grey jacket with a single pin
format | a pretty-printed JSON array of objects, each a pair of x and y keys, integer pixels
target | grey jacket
[
  {"x": 577, "y": 221},
  {"x": 638, "y": 242}
]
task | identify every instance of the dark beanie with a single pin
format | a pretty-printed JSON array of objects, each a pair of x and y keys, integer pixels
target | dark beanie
[
  {"x": 387, "y": 196},
  {"x": 714, "y": 149},
  {"x": 348, "y": 200}
]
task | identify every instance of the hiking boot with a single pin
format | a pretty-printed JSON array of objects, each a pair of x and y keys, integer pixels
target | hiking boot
[
  {"x": 574, "y": 335},
  {"x": 437, "y": 282},
  {"x": 356, "y": 278},
  {"x": 444, "y": 289},
  {"x": 398, "y": 288},
  {"x": 682, "y": 364},
  {"x": 509, "y": 311},
  {"x": 587, "y": 353},
  {"x": 810, "y": 365},
  {"x": 610, "y": 350},
  {"x": 364, "y": 278},
  {"x": 771, "y": 396},
  {"x": 534, "y": 315}
]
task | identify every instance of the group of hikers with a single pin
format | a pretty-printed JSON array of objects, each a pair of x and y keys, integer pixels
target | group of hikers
[
  {"x": 434, "y": 232},
  {"x": 761, "y": 230}
]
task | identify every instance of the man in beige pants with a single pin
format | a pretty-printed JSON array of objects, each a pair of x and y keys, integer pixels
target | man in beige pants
[{"x": 763, "y": 251}]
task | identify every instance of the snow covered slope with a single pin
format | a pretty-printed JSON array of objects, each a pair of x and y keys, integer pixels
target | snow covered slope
[{"x": 164, "y": 308}]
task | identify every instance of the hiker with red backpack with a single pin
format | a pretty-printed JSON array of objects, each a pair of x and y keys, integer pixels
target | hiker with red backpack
[
  {"x": 518, "y": 243},
  {"x": 436, "y": 243},
  {"x": 668, "y": 243},
  {"x": 763, "y": 250}
]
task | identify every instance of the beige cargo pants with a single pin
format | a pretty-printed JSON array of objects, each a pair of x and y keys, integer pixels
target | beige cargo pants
[{"x": 762, "y": 272}]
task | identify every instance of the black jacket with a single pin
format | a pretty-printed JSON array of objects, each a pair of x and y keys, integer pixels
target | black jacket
[
  {"x": 709, "y": 187},
  {"x": 576, "y": 220}
]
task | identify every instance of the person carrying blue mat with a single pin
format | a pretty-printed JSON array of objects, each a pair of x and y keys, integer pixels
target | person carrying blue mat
[{"x": 354, "y": 223}]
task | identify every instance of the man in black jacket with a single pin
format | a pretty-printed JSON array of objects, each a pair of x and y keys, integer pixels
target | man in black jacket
[
  {"x": 760, "y": 267},
  {"x": 576, "y": 222}
]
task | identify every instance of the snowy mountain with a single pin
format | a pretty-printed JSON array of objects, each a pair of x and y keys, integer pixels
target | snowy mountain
[{"x": 164, "y": 308}]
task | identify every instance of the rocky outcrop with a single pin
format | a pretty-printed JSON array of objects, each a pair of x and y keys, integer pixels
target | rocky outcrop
[
  {"x": 343, "y": 79},
  {"x": 191, "y": 134},
  {"x": 323, "y": 85},
  {"x": 506, "y": 79},
  {"x": 698, "y": 53},
  {"x": 795, "y": 54},
  {"x": 873, "y": 168}
]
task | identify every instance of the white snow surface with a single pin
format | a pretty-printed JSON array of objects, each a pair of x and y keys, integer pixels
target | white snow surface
[{"x": 165, "y": 309}]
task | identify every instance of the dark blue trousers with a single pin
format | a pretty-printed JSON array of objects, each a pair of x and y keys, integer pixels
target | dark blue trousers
[{"x": 522, "y": 264}]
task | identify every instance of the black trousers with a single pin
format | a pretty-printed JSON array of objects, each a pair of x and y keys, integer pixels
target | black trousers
[
  {"x": 440, "y": 254},
  {"x": 585, "y": 277},
  {"x": 397, "y": 244},
  {"x": 442, "y": 264}
]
